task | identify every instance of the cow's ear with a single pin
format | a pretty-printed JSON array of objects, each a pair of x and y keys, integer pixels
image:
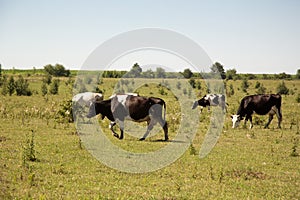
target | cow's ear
[{"x": 231, "y": 116}]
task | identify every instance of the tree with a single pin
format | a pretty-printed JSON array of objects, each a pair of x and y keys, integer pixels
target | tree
[
  {"x": 54, "y": 87},
  {"x": 187, "y": 73},
  {"x": 44, "y": 89},
  {"x": 245, "y": 85},
  {"x": 22, "y": 87},
  {"x": 282, "y": 89},
  {"x": 134, "y": 72},
  {"x": 298, "y": 74},
  {"x": 192, "y": 82},
  {"x": 160, "y": 73},
  {"x": 149, "y": 74},
  {"x": 11, "y": 86},
  {"x": 57, "y": 70},
  {"x": 0, "y": 70},
  {"x": 4, "y": 90},
  {"x": 231, "y": 74},
  {"x": 218, "y": 68}
]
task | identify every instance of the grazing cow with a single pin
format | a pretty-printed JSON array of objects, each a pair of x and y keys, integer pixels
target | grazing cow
[
  {"x": 261, "y": 104},
  {"x": 134, "y": 108},
  {"x": 211, "y": 100},
  {"x": 86, "y": 98}
]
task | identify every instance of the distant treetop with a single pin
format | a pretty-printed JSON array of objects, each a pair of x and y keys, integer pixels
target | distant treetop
[{"x": 57, "y": 70}]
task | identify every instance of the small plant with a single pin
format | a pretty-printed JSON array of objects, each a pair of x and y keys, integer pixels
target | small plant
[
  {"x": 282, "y": 89},
  {"x": 54, "y": 87},
  {"x": 245, "y": 85},
  {"x": 193, "y": 151},
  {"x": 294, "y": 152},
  {"x": 192, "y": 82},
  {"x": 44, "y": 89},
  {"x": 65, "y": 112},
  {"x": 261, "y": 89},
  {"x": 22, "y": 87},
  {"x": 162, "y": 91},
  {"x": 298, "y": 98},
  {"x": 11, "y": 86},
  {"x": 29, "y": 153},
  {"x": 231, "y": 90},
  {"x": 257, "y": 85}
]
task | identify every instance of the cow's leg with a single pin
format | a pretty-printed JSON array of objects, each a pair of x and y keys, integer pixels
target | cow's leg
[
  {"x": 279, "y": 116},
  {"x": 121, "y": 124},
  {"x": 111, "y": 126},
  {"x": 269, "y": 121},
  {"x": 245, "y": 121},
  {"x": 164, "y": 125},
  {"x": 208, "y": 108},
  {"x": 149, "y": 128},
  {"x": 201, "y": 108},
  {"x": 250, "y": 119}
]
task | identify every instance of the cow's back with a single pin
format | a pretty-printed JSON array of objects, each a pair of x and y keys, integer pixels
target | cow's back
[{"x": 260, "y": 104}]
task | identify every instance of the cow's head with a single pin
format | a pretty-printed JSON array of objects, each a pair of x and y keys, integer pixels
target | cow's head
[
  {"x": 195, "y": 104},
  {"x": 201, "y": 102},
  {"x": 92, "y": 110},
  {"x": 236, "y": 119},
  {"x": 93, "y": 107}
]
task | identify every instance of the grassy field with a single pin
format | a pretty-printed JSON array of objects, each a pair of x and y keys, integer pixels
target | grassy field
[{"x": 42, "y": 157}]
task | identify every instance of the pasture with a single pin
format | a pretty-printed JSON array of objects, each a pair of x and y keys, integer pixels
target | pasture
[{"x": 42, "y": 157}]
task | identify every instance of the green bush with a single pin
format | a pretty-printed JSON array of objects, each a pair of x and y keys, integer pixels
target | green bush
[
  {"x": 245, "y": 85},
  {"x": 22, "y": 87},
  {"x": 282, "y": 89},
  {"x": 54, "y": 87},
  {"x": 298, "y": 98}
]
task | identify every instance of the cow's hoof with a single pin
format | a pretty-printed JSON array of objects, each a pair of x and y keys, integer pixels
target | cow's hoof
[
  {"x": 121, "y": 137},
  {"x": 141, "y": 139},
  {"x": 116, "y": 135}
]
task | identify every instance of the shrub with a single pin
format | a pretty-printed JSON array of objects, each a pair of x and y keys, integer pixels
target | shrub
[
  {"x": 282, "y": 89},
  {"x": 231, "y": 90},
  {"x": 298, "y": 98},
  {"x": 44, "y": 89},
  {"x": 54, "y": 87},
  {"x": 257, "y": 85},
  {"x": 245, "y": 85},
  {"x": 11, "y": 85},
  {"x": 192, "y": 82},
  {"x": 22, "y": 87},
  {"x": 47, "y": 79},
  {"x": 65, "y": 112},
  {"x": 261, "y": 89}
]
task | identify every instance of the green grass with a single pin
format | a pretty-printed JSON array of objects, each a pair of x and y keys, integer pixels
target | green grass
[{"x": 244, "y": 164}]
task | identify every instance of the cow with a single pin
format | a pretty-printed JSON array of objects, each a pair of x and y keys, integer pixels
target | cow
[
  {"x": 134, "y": 108},
  {"x": 261, "y": 104},
  {"x": 211, "y": 100},
  {"x": 86, "y": 98}
]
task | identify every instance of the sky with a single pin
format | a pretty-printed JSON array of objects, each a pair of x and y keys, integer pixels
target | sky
[{"x": 259, "y": 36}]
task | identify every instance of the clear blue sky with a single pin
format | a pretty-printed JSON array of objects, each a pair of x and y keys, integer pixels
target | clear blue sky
[{"x": 260, "y": 36}]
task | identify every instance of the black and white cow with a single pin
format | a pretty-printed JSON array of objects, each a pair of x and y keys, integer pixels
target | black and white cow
[
  {"x": 261, "y": 104},
  {"x": 211, "y": 100},
  {"x": 134, "y": 108}
]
